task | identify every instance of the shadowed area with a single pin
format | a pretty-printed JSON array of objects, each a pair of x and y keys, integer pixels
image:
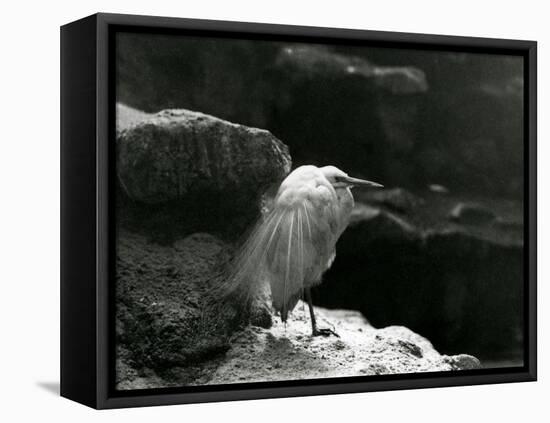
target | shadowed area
[{"x": 50, "y": 387}]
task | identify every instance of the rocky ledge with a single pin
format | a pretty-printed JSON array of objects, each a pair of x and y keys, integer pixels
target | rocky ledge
[
  {"x": 167, "y": 337},
  {"x": 287, "y": 352},
  {"x": 181, "y": 171}
]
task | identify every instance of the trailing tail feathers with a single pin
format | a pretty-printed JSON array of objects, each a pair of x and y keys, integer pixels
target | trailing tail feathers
[{"x": 280, "y": 251}]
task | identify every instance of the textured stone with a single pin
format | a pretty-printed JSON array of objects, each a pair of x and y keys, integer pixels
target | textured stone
[
  {"x": 310, "y": 61},
  {"x": 396, "y": 199},
  {"x": 288, "y": 352},
  {"x": 181, "y": 172},
  {"x": 457, "y": 283},
  {"x": 161, "y": 294},
  {"x": 175, "y": 153},
  {"x": 471, "y": 213},
  {"x": 168, "y": 335}
]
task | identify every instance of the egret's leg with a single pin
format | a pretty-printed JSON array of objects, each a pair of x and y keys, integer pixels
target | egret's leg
[
  {"x": 311, "y": 313},
  {"x": 314, "y": 330}
]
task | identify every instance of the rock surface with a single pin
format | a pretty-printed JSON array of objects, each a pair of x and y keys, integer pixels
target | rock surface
[
  {"x": 127, "y": 116},
  {"x": 168, "y": 336},
  {"x": 173, "y": 356},
  {"x": 193, "y": 169},
  {"x": 457, "y": 283},
  {"x": 313, "y": 61},
  {"x": 290, "y": 352},
  {"x": 396, "y": 199},
  {"x": 173, "y": 154},
  {"x": 348, "y": 111},
  {"x": 471, "y": 213},
  {"x": 161, "y": 292}
]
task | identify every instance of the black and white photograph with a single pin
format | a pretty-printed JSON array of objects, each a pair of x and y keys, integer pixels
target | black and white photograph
[
  {"x": 275, "y": 211},
  {"x": 294, "y": 210}
]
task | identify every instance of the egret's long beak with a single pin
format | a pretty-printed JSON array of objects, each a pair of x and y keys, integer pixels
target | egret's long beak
[{"x": 349, "y": 181}]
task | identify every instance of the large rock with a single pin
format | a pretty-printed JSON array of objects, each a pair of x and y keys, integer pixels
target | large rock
[
  {"x": 471, "y": 213},
  {"x": 427, "y": 118},
  {"x": 339, "y": 108},
  {"x": 397, "y": 199},
  {"x": 168, "y": 333},
  {"x": 313, "y": 61},
  {"x": 460, "y": 285},
  {"x": 174, "y": 154},
  {"x": 127, "y": 116},
  {"x": 288, "y": 352},
  {"x": 170, "y": 320},
  {"x": 192, "y": 168},
  {"x": 161, "y": 292}
]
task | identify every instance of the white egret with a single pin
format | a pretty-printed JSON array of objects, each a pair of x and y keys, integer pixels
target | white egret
[{"x": 294, "y": 243}]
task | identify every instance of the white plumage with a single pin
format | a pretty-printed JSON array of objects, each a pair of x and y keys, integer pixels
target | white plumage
[{"x": 294, "y": 243}]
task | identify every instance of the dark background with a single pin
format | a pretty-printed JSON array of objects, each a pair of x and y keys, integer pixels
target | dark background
[{"x": 406, "y": 118}]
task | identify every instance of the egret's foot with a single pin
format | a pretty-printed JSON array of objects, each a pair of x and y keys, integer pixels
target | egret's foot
[{"x": 324, "y": 332}]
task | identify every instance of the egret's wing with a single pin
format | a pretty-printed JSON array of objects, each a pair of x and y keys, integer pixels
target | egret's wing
[
  {"x": 286, "y": 260},
  {"x": 289, "y": 249},
  {"x": 247, "y": 271},
  {"x": 300, "y": 251}
]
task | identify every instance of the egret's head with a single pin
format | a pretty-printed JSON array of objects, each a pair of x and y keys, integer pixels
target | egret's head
[{"x": 340, "y": 179}]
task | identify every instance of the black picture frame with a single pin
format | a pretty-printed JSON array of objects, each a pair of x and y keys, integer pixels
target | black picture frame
[{"x": 87, "y": 124}]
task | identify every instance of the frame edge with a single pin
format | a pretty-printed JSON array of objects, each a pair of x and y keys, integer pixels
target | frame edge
[{"x": 78, "y": 212}]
